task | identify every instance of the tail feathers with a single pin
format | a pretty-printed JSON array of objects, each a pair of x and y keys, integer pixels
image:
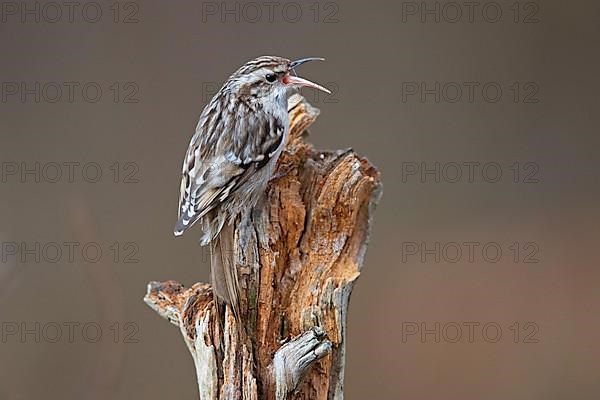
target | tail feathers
[
  {"x": 223, "y": 270},
  {"x": 183, "y": 223}
]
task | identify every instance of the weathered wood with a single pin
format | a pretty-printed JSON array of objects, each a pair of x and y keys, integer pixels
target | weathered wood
[{"x": 298, "y": 255}]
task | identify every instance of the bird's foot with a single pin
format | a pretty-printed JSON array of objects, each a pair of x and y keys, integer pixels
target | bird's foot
[{"x": 281, "y": 172}]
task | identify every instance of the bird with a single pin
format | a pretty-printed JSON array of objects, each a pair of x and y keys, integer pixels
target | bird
[{"x": 231, "y": 158}]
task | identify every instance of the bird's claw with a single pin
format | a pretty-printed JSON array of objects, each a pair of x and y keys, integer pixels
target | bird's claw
[{"x": 281, "y": 172}]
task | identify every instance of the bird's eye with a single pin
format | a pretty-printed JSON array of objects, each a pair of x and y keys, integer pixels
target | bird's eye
[{"x": 271, "y": 78}]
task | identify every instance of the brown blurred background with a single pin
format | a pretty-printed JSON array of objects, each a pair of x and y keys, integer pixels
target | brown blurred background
[{"x": 527, "y": 318}]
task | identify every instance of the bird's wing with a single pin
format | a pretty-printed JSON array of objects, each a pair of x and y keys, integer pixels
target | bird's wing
[{"x": 219, "y": 160}]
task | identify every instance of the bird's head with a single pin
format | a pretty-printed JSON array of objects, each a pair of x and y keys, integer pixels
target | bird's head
[{"x": 270, "y": 77}]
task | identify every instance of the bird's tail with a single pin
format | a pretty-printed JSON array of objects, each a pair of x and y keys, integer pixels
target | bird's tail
[{"x": 224, "y": 272}]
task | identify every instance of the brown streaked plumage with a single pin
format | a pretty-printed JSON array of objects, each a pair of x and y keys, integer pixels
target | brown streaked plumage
[{"x": 231, "y": 157}]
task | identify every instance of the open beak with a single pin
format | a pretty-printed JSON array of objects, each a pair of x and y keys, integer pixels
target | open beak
[{"x": 301, "y": 82}]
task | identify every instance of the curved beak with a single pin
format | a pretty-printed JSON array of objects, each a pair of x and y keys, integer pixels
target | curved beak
[
  {"x": 301, "y": 82},
  {"x": 301, "y": 61}
]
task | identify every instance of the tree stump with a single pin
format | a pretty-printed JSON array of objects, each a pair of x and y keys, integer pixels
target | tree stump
[{"x": 298, "y": 254}]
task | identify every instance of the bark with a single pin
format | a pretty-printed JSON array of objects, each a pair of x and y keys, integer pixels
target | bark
[{"x": 298, "y": 255}]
